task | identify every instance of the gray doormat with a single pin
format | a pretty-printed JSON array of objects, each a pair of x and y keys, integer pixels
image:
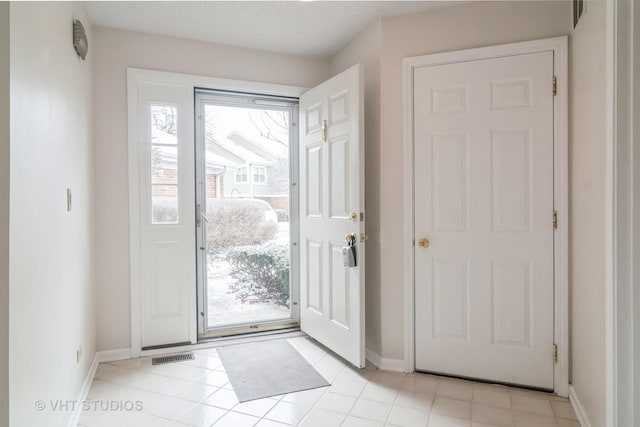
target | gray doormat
[{"x": 268, "y": 368}]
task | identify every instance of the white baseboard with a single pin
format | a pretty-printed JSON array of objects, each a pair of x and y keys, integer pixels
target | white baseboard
[
  {"x": 113, "y": 355},
  {"x": 583, "y": 419},
  {"x": 84, "y": 391},
  {"x": 100, "y": 356},
  {"x": 393, "y": 365}
]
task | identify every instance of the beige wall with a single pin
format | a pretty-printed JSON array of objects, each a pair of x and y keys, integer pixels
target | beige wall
[
  {"x": 454, "y": 28},
  {"x": 4, "y": 214},
  {"x": 365, "y": 49},
  {"x": 52, "y": 293},
  {"x": 115, "y": 51},
  {"x": 587, "y": 210}
]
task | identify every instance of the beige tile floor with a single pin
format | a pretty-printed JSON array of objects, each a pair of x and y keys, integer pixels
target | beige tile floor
[{"x": 198, "y": 393}]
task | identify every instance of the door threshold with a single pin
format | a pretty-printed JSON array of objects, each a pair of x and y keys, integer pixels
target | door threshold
[
  {"x": 230, "y": 335},
  {"x": 248, "y": 329},
  {"x": 482, "y": 381},
  {"x": 226, "y": 341},
  {"x": 163, "y": 346}
]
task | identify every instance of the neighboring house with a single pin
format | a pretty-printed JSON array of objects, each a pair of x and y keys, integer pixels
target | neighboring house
[
  {"x": 237, "y": 166},
  {"x": 248, "y": 167}
]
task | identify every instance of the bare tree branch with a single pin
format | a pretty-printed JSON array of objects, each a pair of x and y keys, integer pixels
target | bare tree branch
[{"x": 271, "y": 125}]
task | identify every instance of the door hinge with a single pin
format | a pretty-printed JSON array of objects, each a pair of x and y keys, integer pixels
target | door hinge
[
  {"x": 555, "y": 85},
  {"x": 555, "y": 220},
  {"x": 555, "y": 353}
]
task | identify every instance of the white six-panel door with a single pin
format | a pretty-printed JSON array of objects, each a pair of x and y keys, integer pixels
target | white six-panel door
[
  {"x": 331, "y": 203},
  {"x": 484, "y": 285}
]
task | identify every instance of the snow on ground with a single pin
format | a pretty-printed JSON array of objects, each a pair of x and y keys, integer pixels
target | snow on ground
[{"x": 224, "y": 308}]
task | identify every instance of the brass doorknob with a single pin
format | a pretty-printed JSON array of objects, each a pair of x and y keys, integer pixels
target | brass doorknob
[{"x": 423, "y": 243}]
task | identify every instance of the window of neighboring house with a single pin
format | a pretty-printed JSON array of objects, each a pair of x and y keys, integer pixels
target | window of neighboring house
[
  {"x": 242, "y": 175},
  {"x": 259, "y": 174}
]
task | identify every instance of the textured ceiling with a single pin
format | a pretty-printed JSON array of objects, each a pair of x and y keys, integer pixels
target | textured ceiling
[{"x": 318, "y": 28}]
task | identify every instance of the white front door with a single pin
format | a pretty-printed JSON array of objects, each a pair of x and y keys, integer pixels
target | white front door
[
  {"x": 332, "y": 206},
  {"x": 484, "y": 285}
]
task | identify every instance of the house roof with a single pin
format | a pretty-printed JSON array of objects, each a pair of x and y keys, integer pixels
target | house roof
[
  {"x": 234, "y": 151},
  {"x": 238, "y": 153},
  {"x": 158, "y": 136},
  {"x": 264, "y": 147}
]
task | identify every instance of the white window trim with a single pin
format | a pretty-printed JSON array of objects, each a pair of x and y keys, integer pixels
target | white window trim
[
  {"x": 559, "y": 46},
  {"x": 136, "y": 76},
  {"x": 239, "y": 172},
  {"x": 253, "y": 174}
]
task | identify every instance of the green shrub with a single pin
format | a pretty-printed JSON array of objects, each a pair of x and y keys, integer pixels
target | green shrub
[
  {"x": 260, "y": 272},
  {"x": 238, "y": 222}
]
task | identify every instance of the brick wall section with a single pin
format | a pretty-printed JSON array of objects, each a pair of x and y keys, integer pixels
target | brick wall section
[
  {"x": 212, "y": 181},
  {"x": 164, "y": 191},
  {"x": 168, "y": 176},
  {"x": 164, "y": 176}
]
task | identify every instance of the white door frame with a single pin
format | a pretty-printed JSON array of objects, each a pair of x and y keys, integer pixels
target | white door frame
[
  {"x": 622, "y": 218},
  {"x": 135, "y": 77},
  {"x": 559, "y": 47}
]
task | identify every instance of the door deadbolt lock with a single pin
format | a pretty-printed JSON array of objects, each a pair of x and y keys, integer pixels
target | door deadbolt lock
[{"x": 423, "y": 243}]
